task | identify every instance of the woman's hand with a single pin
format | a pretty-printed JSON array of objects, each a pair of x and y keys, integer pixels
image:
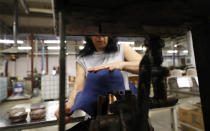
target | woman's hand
[
  {"x": 67, "y": 109},
  {"x": 109, "y": 66}
]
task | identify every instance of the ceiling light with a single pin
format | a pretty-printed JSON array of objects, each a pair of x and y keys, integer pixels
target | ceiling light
[
  {"x": 172, "y": 51},
  {"x": 53, "y": 47},
  {"x": 41, "y": 10},
  {"x": 51, "y": 41},
  {"x": 126, "y": 42},
  {"x": 24, "y": 48},
  {"x": 140, "y": 48},
  {"x": 185, "y": 51},
  {"x": 84, "y": 42},
  {"x": 10, "y": 41}
]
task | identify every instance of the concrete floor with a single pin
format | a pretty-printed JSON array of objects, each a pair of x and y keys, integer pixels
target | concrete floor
[{"x": 160, "y": 119}]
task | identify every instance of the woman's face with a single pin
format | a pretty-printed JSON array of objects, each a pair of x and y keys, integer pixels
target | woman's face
[{"x": 100, "y": 42}]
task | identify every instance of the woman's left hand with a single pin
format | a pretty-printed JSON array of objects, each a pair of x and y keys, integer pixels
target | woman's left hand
[{"x": 109, "y": 66}]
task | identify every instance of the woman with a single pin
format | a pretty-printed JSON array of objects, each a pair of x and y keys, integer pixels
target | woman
[{"x": 102, "y": 52}]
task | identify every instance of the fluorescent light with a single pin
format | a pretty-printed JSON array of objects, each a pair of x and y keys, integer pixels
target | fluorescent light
[
  {"x": 19, "y": 41},
  {"x": 10, "y": 41},
  {"x": 24, "y": 48},
  {"x": 172, "y": 51},
  {"x": 185, "y": 51},
  {"x": 140, "y": 48},
  {"x": 41, "y": 10},
  {"x": 126, "y": 42},
  {"x": 81, "y": 47},
  {"x": 53, "y": 47},
  {"x": 51, "y": 41}
]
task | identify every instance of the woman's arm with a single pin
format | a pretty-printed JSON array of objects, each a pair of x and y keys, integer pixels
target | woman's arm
[
  {"x": 131, "y": 63},
  {"x": 78, "y": 86},
  {"x": 132, "y": 60}
]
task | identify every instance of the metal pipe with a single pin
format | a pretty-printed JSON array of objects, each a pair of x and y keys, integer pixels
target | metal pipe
[
  {"x": 25, "y": 7},
  {"x": 46, "y": 60},
  {"x": 32, "y": 61},
  {"x": 15, "y": 22},
  {"x": 54, "y": 16},
  {"x": 190, "y": 48},
  {"x": 173, "y": 55},
  {"x": 62, "y": 71}
]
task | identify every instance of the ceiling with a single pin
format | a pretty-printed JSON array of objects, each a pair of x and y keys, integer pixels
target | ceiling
[
  {"x": 167, "y": 18},
  {"x": 120, "y": 18},
  {"x": 38, "y": 19},
  {"x": 132, "y": 17}
]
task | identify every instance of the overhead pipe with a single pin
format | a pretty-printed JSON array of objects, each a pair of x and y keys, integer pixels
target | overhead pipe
[
  {"x": 32, "y": 61},
  {"x": 47, "y": 65},
  {"x": 54, "y": 16},
  {"x": 25, "y": 7},
  {"x": 173, "y": 55},
  {"x": 15, "y": 22}
]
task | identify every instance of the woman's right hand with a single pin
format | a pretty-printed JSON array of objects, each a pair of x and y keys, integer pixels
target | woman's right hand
[
  {"x": 67, "y": 109},
  {"x": 78, "y": 86}
]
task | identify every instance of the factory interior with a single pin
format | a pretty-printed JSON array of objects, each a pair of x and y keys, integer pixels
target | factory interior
[{"x": 39, "y": 57}]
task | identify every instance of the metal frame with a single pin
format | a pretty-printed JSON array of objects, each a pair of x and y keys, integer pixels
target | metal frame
[
  {"x": 29, "y": 124},
  {"x": 62, "y": 75},
  {"x": 174, "y": 119},
  {"x": 200, "y": 33},
  {"x": 15, "y": 22},
  {"x": 37, "y": 125},
  {"x": 201, "y": 40}
]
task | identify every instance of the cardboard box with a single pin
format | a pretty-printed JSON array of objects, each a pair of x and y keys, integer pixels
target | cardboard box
[{"x": 191, "y": 115}]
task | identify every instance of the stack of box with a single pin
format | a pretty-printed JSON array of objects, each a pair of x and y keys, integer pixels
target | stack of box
[
  {"x": 50, "y": 87},
  {"x": 3, "y": 88},
  {"x": 192, "y": 116}
]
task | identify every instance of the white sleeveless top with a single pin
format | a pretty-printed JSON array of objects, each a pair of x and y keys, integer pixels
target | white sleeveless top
[{"x": 99, "y": 58}]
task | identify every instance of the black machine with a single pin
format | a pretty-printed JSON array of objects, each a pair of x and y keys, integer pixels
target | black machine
[
  {"x": 139, "y": 18},
  {"x": 130, "y": 113}
]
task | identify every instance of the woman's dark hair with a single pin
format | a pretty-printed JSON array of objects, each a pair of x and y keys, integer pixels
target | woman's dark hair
[{"x": 89, "y": 47}]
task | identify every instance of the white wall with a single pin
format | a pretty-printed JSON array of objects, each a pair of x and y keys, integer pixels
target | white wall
[{"x": 22, "y": 66}]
